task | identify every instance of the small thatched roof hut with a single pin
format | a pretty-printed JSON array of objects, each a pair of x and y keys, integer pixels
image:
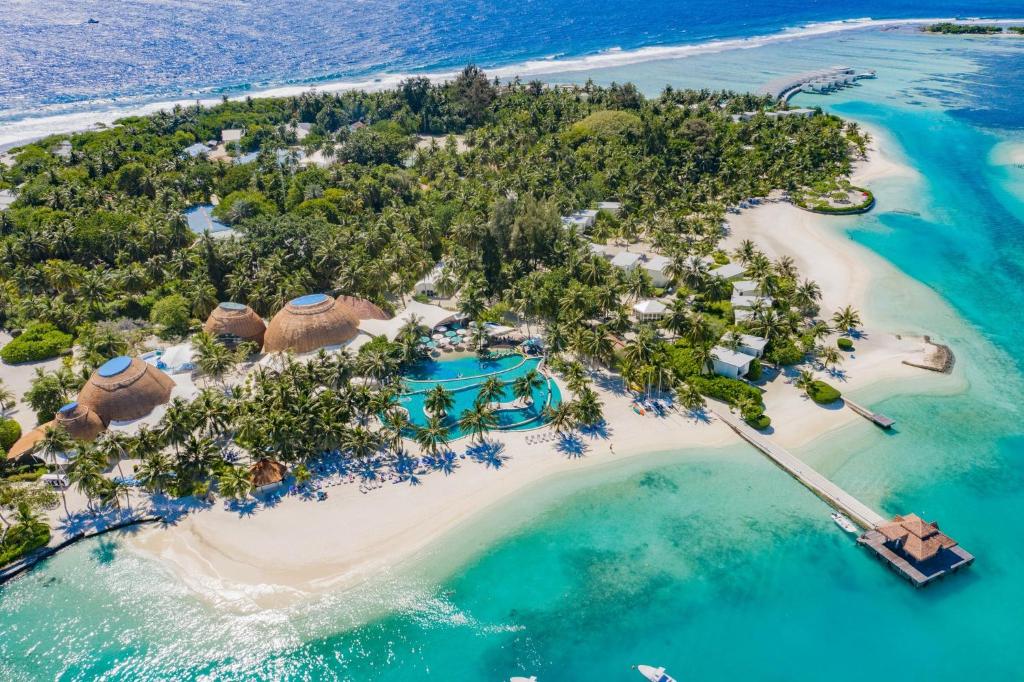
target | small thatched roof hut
[
  {"x": 310, "y": 322},
  {"x": 80, "y": 421},
  {"x": 125, "y": 388},
  {"x": 267, "y": 472},
  {"x": 363, "y": 309},
  {"x": 22, "y": 450},
  {"x": 235, "y": 322}
]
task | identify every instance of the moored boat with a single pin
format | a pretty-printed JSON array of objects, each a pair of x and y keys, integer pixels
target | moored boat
[
  {"x": 844, "y": 523},
  {"x": 654, "y": 674}
]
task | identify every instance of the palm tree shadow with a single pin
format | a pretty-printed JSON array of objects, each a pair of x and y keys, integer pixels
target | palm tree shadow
[
  {"x": 838, "y": 374},
  {"x": 610, "y": 382},
  {"x": 489, "y": 453},
  {"x": 571, "y": 445},
  {"x": 245, "y": 507},
  {"x": 600, "y": 430},
  {"x": 104, "y": 551},
  {"x": 700, "y": 415}
]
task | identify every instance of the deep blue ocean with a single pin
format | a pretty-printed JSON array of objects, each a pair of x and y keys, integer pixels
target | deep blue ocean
[
  {"x": 53, "y": 61},
  {"x": 713, "y": 563}
]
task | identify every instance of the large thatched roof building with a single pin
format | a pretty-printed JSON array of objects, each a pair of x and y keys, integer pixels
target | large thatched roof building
[
  {"x": 125, "y": 388},
  {"x": 363, "y": 309},
  {"x": 310, "y": 322},
  {"x": 79, "y": 421},
  {"x": 235, "y": 323}
]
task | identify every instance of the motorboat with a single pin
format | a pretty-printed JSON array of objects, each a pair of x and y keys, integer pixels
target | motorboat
[
  {"x": 654, "y": 674},
  {"x": 844, "y": 523}
]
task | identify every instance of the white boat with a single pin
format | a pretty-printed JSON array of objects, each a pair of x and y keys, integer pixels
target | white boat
[
  {"x": 531, "y": 678},
  {"x": 654, "y": 674},
  {"x": 844, "y": 523}
]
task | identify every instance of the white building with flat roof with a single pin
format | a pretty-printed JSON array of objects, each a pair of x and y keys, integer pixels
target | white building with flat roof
[
  {"x": 231, "y": 135},
  {"x": 729, "y": 271},
  {"x": 730, "y": 363},
  {"x": 655, "y": 266},
  {"x": 649, "y": 310},
  {"x": 580, "y": 220},
  {"x": 749, "y": 302},
  {"x": 746, "y": 287},
  {"x": 627, "y": 261},
  {"x": 750, "y": 344},
  {"x": 612, "y": 207}
]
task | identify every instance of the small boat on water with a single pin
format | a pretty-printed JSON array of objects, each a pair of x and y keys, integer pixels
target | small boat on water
[
  {"x": 531, "y": 678},
  {"x": 844, "y": 523},
  {"x": 654, "y": 674}
]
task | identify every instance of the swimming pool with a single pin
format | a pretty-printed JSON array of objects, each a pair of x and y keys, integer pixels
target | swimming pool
[{"x": 463, "y": 377}]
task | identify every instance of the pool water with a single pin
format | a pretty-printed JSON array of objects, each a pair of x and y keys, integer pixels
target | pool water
[{"x": 463, "y": 377}]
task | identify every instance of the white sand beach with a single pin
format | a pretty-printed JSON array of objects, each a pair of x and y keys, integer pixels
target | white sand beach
[{"x": 298, "y": 548}]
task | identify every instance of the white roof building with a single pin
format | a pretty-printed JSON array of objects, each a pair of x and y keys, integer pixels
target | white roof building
[
  {"x": 730, "y": 363},
  {"x": 750, "y": 344},
  {"x": 599, "y": 250},
  {"x": 626, "y": 261},
  {"x": 612, "y": 207},
  {"x": 729, "y": 271},
  {"x": 302, "y": 130},
  {"x": 580, "y": 220},
  {"x": 649, "y": 310},
  {"x": 749, "y": 301},
  {"x": 742, "y": 315},
  {"x": 655, "y": 266},
  {"x": 427, "y": 314},
  {"x": 231, "y": 134},
  {"x": 745, "y": 287},
  {"x": 196, "y": 149},
  {"x": 429, "y": 283},
  {"x": 63, "y": 149}
]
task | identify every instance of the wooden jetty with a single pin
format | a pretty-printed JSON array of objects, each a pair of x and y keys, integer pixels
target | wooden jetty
[
  {"x": 861, "y": 514},
  {"x": 877, "y": 417},
  {"x": 913, "y": 548},
  {"x": 821, "y": 81}
]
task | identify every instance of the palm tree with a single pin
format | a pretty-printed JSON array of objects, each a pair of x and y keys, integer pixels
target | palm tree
[
  {"x": 524, "y": 385},
  {"x": 561, "y": 418},
  {"x": 86, "y": 474},
  {"x": 804, "y": 381},
  {"x": 829, "y": 356},
  {"x": 478, "y": 420},
  {"x": 847, "y": 319},
  {"x": 215, "y": 360},
  {"x": 396, "y": 424},
  {"x": 807, "y": 296},
  {"x": 361, "y": 441},
  {"x": 433, "y": 436},
  {"x": 7, "y": 398},
  {"x": 587, "y": 407},
  {"x": 234, "y": 482},
  {"x": 439, "y": 400},
  {"x": 111, "y": 445},
  {"x": 156, "y": 472},
  {"x": 690, "y": 398},
  {"x": 57, "y": 441},
  {"x": 491, "y": 391}
]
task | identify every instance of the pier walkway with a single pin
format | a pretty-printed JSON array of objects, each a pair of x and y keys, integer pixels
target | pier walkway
[
  {"x": 861, "y": 514},
  {"x": 878, "y": 418},
  {"x": 821, "y": 81}
]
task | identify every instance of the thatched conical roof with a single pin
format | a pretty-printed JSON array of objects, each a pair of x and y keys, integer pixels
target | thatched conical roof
[
  {"x": 310, "y": 322},
  {"x": 23, "y": 448},
  {"x": 124, "y": 389},
  {"x": 267, "y": 472},
  {"x": 363, "y": 309},
  {"x": 80, "y": 421},
  {"x": 236, "y": 320}
]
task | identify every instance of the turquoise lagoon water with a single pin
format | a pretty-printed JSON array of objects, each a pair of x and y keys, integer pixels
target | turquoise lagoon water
[
  {"x": 713, "y": 563},
  {"x": 464, "y": 376}
]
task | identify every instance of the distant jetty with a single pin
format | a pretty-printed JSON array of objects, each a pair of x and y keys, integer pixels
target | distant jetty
[
  {"x": 821, "y": 81},
  {"x": 940, "y": 359}
]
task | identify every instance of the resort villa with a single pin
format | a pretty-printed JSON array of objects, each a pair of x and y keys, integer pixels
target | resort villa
[
  {"x": 730, "y": 363},
  {"x": 916, "y": 548},
  {"x": 429, "y": 284},
  {"x": 266, "y": 475},
  {"x": 580, "y": 220},
  {"x": 655, "y": 266},
  {"x": 736, "y": 363},
  {"x": 729, "y": 271},
  {"x": 231, "y": 135},
  {"x": 746, "y": 287},
  {"x": 234, "y": 323},
  {"x": 197, "y": 149},
  {"x": 613, "y": 207},
  {"x": 749, "y": 302},
  {"x": 627, "y": 261},
  {"x": 649, "y": 310}
]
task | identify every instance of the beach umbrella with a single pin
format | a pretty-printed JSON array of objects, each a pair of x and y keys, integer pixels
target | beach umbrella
[
  {"x": 450, "y": 334},
  {"x": 437, "y": 337},
  {"x": 441, "y": 328},
  {"x": 424, "y": 339},
  {"x": 463, "y": 332}
]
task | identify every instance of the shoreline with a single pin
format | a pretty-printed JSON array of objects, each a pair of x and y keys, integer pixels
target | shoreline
[
  {"x": 26, "y": 129},
  {"x": 278, "y": 556}
]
